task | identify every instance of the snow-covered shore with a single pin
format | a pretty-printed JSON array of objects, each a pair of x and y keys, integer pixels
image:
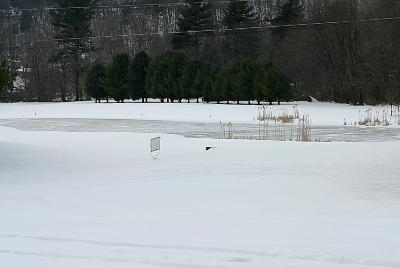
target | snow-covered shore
[
  {"x": 99, "y": 200},
  {"x": 321, "y": 114}
]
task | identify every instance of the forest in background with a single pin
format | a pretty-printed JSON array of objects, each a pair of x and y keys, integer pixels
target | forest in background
[{"x": 335, "y": 50}]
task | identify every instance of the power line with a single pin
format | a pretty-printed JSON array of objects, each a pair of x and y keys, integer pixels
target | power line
[
  {"x": 267, "y": 27},
  {"x": 137, "y": 5}
]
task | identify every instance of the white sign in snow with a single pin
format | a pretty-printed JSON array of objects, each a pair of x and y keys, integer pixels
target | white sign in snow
[{"x": 155, "y": 146}]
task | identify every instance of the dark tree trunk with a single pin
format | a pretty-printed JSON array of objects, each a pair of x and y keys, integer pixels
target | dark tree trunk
[
  {"x": 76, "y": 78},
  {"x": 62, "y": 85}
]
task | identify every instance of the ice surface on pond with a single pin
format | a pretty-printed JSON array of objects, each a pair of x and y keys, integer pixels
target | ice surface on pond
[{"x": 197, "y": 129}]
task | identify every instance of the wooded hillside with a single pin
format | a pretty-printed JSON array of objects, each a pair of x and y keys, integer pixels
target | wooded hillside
[{"x": 336, "y": 50}]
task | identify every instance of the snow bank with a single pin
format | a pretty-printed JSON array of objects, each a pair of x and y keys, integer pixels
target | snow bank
[{"x": 99, "y": 200}]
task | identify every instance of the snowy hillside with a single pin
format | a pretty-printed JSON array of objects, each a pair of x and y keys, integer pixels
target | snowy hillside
[{"x": 78, "y": 199}]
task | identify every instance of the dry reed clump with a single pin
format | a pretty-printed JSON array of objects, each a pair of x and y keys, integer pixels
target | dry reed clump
[
  {"x": 370, "y": 118},
  {"x": 305, "y": 128},
  {"x": 365, "y": 122},
  {"x": 282, "y": 115},
  {"x": 284, "y": 127},
  {"x": 286, "y": 119}
]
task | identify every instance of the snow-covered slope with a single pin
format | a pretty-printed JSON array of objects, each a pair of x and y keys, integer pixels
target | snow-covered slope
[{"x": 99, "y": 200}]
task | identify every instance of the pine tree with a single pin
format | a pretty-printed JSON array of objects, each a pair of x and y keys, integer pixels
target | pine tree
[
  {"x": 173, "y": 76},
  {"x": 241, "y": 43},
  {"x": 137, "y": 76},
  {"x": 94, "y": 82},
  {"x": 233, "y": 82},
  {"x": 193, "y": 79},
  {"x": 248, "y": 69},
  {"x": 156, "y": 84},
  {"x": 202, "y": 81},
  {"x": 280, "y": 86},
  {"x": 262, "y": 90},
  {"x": 186, "y": 82},
  {"x": 209, "y": 76},
  {"x": 193, "y": 22},
  {"x": 72, "y": 29},
  {"x": 218, "y": 93},
  {"x": 6, "y": 78},
  {"x": 288, "y": 13},
  {"x": 117, "y": 77}
]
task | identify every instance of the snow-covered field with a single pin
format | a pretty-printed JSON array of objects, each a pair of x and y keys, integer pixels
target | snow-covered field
[
  {"x": 321, "y": 114},
  {"x": 78, "y": 199}
]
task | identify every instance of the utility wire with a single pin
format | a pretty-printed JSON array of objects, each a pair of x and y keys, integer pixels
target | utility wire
[
  {"x": 137, "y": 5},
  {"x": 267, "y": 27}
]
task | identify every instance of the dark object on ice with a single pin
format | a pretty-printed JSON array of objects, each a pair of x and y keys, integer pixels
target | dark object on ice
[{"x": 209, "y": 147}]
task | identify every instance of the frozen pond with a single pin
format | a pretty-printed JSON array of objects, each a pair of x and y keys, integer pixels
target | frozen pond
[{"x": 196, "y": 130}]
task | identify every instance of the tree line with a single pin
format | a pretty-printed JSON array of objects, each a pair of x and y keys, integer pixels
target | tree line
[
  {"x": 355, "y": 60},
  {"x": 6, "y": 79},
  {"x": 174, "y": 77}
]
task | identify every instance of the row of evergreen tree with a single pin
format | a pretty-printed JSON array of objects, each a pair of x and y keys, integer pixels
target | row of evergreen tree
[
  {"x": 175, "y": 77},
  {"x": 6, "y": 79}
]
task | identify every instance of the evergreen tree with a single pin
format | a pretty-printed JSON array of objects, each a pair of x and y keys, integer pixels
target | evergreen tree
[
  {"x": 193, "y": 79},
  {"x": 229, "y": 86},
  {"x": 233, "y": 82},
  {"x": 240, "y": 80},
  {"x": 248, "y": 69},
  {"x": 137, "y": 76},
  {"x": 218, "y": 93},
  {"x": 94, "y": 82},
  {"x": 224, "y": 86},
  {"x": 209, "y": 75},
  {"x": 186, "y": 82},
  {"x": 288, "y": 13},
  {"x": 173, "y": 76},
  {"x": 241, "y": 43},
  {"x": 193, "y": 22},
  {"x": 6, "y": 78},
  {"x": 202, "y": 81},
  {"x": 72, "y": 29},
  {"x": 156, "y": 85},
  {"x": 117, "y": 77},
  {"x": 262, "y": 90},
  {"x": 280, "y": 86}
]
